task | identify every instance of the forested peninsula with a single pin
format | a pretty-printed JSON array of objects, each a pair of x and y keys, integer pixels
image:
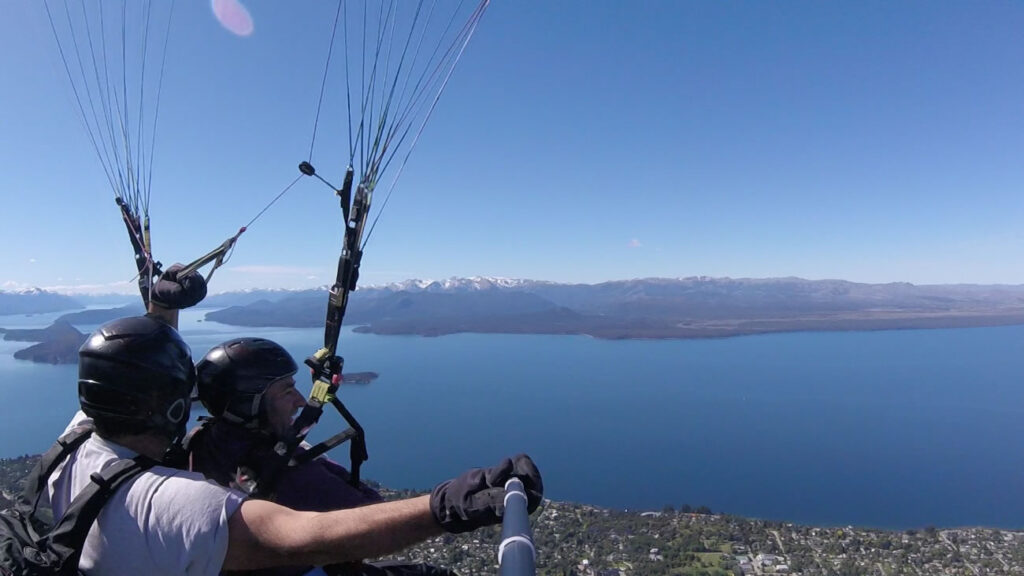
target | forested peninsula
[{"x": 57, "y": 344}]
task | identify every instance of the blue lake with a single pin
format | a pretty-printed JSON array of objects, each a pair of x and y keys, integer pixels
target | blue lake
[{"x": 889, "y": 429}]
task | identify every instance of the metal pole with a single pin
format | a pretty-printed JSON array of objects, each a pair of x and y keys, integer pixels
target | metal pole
[{"x": 516, "y": 554}]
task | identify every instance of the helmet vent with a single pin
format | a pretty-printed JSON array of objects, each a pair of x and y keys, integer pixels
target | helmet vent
[{"x": 177, "y": 411}]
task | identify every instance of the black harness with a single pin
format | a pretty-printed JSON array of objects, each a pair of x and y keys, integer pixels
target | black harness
[
  {"x": 325, "y": 364},
  {"x": 32, "y": 545}
]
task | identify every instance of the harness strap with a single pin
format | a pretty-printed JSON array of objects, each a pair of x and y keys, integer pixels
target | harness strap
[
  {"x": 36, "y": 482},
  {"x": 68, "y": 536}
]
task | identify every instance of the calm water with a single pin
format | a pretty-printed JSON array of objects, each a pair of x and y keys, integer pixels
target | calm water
[{"x": 889, "y": 429}]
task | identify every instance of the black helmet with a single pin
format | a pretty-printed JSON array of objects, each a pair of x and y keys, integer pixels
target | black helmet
[
  {"x": 136, "y": 375},
  {"x": 233, "y": 376}
]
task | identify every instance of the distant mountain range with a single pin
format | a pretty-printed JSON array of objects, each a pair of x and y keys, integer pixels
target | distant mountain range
[
  {"x": 102, "y": 315},
  {"x": 35, "y": 301},
  {"x": 695, "y": 307},
  {"x": 644, "y": 308},
  {"x": 243, "y": 297},
  {"x": 39, "y": 301}
]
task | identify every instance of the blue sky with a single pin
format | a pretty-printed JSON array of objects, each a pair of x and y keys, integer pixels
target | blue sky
[{"x": 576, "y": 142}]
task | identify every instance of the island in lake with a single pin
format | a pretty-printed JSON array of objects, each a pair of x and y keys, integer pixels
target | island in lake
[
  {"x": 57, "y": 343},
  {"x": 359, "y": 377}
]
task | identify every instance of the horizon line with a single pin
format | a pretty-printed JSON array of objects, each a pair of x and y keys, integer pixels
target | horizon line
[{"x": 131, "y": 289}]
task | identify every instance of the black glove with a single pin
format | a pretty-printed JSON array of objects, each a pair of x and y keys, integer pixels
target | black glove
[
  {"x": 176, "y": 293},
  {"x": 477, "y": 497}
]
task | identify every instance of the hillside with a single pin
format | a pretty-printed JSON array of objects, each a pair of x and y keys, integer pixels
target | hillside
[
  {"x": 586, "y": 540},
  {"x": 57, "y": 343}
]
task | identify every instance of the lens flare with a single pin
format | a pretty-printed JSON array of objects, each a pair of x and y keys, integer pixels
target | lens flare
[{"x": 232, "y": 16}]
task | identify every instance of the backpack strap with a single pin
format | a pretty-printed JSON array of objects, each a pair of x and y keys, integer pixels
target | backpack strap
[
  {"x": 35, "y": 484},
  {"x": 193, "y": 436},
  {"x": 68, "y": 536}
]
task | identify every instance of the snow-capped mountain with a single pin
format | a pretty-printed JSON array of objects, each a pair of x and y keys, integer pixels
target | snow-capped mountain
[
  {"x": 35, "y": 301},
  {"x": 645, "y": 308},
  {"x": 455, "y": 284}
]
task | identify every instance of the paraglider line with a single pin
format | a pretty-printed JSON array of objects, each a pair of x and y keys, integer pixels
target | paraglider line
[
  {"x": 271, "y": 203},
  {"x": 477, "y": 15},
  {"x": 159, "y": 90},
  {"x": 275, "y": 198},
  {"x": 323, "y": 83},
  {"x": 78, "y": 98}
]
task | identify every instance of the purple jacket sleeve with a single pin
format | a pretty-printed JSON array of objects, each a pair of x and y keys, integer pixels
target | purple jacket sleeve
[{"x": 321, "y": 484}]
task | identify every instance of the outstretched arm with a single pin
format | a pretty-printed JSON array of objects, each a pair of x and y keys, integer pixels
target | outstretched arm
[{"x": 263, "y": 534}]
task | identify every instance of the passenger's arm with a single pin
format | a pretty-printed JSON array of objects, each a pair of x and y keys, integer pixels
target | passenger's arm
[
  {"x": 171, "y": 293},
  {"x": 166, "y": 314},
  {"x": 263, "y": 534}
]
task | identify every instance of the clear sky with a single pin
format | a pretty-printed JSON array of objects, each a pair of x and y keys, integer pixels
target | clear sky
[{"x": 578, "y": 141}]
